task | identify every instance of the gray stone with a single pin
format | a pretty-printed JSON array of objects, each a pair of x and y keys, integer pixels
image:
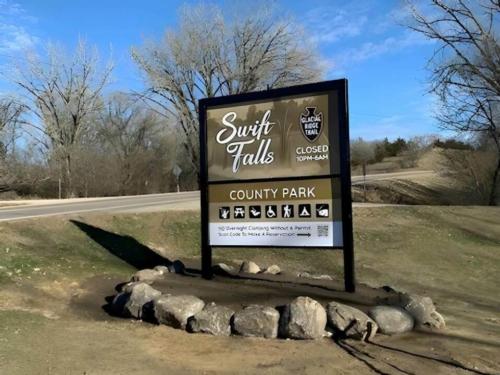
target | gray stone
[
  {"x": 162, "y": 269},
  {"x": 391, "y": 319},
  {"x": 303, "y": 318},
  {"x": 175, "y": 311},
  {"x": 147, "y": 276},
  {"x": 256, "y": 321},
  {"x": 223, "y": 269},
  {"x": 134, "y": 300},
  {"x": 353, "y": 323},
  {"x": 213, "y": 319},
  {"x": 177, "y": 267},
  {"x": 249, "y": 267},
  {"x": 141, "y": 295},
  {"x": 308, "y": 275},
  {"x": 127, "y": 288},
  {"x": 273, "y": 270},
  {"x": 422, "y": 309}
]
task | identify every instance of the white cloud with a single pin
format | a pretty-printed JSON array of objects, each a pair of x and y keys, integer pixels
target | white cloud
[
  {"x": 370, "y": 50},
  {"x": 14, "y": 35},
  {"x": 329, "y": 24},
  {"x": 8, "y": 8},
  {"x": 361, "y": 30},
  {"x": 15, "y": 38}
]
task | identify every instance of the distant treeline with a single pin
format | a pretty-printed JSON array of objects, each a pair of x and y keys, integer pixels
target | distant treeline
[{"x": 370, "y": 152}]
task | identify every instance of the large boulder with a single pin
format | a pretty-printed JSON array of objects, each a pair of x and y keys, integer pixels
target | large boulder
[
  {"x": 127, "y": 288},
  {"x": 136, "y": 300},
  {"x": 147, "y": 276},
  {"x": 351, "y": 322},
  {"x": 422, "y": 309},
  {"x": 391, "y": 319},
  {"x": 256, "y": 321},
  {"x": 213, "y": 319},
  {"x": 249, "y": 267},
  {"x": 223, "y": 269},
  {"x": 139, "y": 302},
  {"x": 175, "y": 311},
  {"x": 303, "y": 318},
  {"x": 273, "y": 270}
]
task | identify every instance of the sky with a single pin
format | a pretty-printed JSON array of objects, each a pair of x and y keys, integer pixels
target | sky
[{"x": 364, "y": 41}]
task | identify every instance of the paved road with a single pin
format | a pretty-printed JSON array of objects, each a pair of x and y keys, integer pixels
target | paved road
[
  {"x": 357, "y": 180},
  {"x": 138, "y": 203}
]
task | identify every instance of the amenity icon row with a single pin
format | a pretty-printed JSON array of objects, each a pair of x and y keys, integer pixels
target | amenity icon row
[{"x": 288, "y": 211}]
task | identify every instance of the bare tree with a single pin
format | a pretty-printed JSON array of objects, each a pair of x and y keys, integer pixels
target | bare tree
[
  {"x": 63, "y": 96},
  {"x": 129, "y": 127},
  {"x": 466, "y": 68},
  {"x": 471, "y": 170},
  {"x": 362, "y": 152},
  {"x": 10, "y": 113},
  {"x": 209, "y": 56}
]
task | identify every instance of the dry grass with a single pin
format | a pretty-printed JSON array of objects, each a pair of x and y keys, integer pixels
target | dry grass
[{"x": 449, "y": 253}]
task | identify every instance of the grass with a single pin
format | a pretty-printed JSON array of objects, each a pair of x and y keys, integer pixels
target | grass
[
  {"x": 449, "y": 253},
  {"x": 50, "y": 249},
  {"x": 404, "y": 246}
]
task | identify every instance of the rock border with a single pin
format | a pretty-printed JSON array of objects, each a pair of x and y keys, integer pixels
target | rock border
[{"x": 301, "y": 319}]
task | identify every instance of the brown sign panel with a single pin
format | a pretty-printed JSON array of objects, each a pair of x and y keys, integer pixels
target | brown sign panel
[
  {"x": 285, "y": 137},
  {"x": 275, "y": 171}
]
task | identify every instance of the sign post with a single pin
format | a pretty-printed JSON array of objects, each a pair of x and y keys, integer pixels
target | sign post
[{"x": 275, "y": 171}]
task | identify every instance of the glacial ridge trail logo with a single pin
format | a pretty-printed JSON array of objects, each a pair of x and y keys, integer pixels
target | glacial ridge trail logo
[{"x": 311, "y": 124}]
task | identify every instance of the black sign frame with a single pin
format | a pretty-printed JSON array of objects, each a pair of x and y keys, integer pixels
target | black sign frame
[{"x": 325, "y": 87}]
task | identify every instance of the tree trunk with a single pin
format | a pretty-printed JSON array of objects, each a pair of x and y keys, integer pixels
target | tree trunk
[
  {"x": 124, "y": 189},
  {"x": 495, "y": 182},
  {"x": 69, "y": 183}
]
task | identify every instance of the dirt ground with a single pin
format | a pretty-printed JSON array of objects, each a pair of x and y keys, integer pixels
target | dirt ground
[
  {"x": 56, "y": 278},
  {"x": 79, "y": 337}
]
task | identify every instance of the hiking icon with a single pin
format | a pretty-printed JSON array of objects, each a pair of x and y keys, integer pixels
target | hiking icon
[{"x": 286, "y": 211}]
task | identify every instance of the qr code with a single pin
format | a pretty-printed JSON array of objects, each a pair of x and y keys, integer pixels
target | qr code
[{"x": 322, "y": 230}]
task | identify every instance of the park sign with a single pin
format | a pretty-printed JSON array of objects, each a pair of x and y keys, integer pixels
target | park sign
[{"x": 275, "y": 171}]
